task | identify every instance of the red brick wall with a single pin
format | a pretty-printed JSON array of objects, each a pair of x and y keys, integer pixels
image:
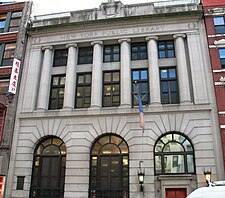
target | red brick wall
[{"x": 212, "y": 2}]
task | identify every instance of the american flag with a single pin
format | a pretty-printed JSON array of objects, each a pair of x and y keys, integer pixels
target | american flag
[{"x": 141, "y": 113}]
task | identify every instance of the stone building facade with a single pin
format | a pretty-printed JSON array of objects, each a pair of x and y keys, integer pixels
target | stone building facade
[{"x": 77, "y": 130}]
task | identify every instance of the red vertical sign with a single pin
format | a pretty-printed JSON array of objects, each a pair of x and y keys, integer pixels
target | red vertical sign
[{"x": 2, "y": 185}]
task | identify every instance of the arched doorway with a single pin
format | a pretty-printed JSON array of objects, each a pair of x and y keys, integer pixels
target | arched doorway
[
  {"x": 49, "y": 164},
  {"x": 109, "y": 168}
]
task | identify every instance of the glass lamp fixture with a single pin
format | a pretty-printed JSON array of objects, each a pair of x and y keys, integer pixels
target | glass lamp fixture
[{"x": 141, "y": 175}]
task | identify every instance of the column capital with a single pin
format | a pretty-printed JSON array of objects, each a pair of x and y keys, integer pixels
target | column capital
[
  {"x": 96, "y": 42},
  {"x": 175, "y": 36},
  {"x": 47, "y": 47},
  {"x": 71, "y": 45},
  {"x": 151, "y": 38},
  {"x": 124, "y": 40}
]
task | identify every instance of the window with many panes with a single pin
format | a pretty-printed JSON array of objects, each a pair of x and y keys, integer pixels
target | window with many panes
[
  {"x": 141, "y": 78},
  {"x": 166, "y": 49},
  {"x": 222, "y": 57},
  {"x": 8, "y": 54},
  {"x": 219, "y": 24},
  {"x": 57, "y": 92},
  {"x": 169, "y": 86},
  {"x": 139, "y": 51},
  {"x": 48, "y": 171},
  {"x": 109, "y": 168},
  {"x": 85, "y": 55},
  {"x": 111, "y": 89},
  {"x": 60, "y": 57},
  {"x": 83, "y": 90},
  {"x": 15, "y": 21},
  {"x": 174, "y": 154},
  {"x": 111, "y": 53}
]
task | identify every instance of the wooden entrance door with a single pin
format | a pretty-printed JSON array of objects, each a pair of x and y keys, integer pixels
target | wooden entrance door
[{"x": 176, "y": 193}]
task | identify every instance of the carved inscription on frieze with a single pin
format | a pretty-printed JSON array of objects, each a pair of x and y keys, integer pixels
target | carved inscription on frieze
[{"x": 114, "y": 32}]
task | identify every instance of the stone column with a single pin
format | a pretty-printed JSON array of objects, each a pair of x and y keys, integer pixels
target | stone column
[
  {"x": 125, "y": 73},
  {"x": 96, "y": 88},
  {"x": 33, "y": 58},
  {"x": 183, "y": 77},
  {"x": 198, "y": 64},
  {"x": 43, "y": 95},
  {"x": 69, "y": 94},
  {"x": 153, "y": 69}
]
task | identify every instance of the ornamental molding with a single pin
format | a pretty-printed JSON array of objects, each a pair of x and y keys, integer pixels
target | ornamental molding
[{"x": 220, "y": 43}]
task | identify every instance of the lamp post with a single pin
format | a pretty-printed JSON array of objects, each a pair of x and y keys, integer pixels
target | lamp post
[
  {"x": 141, "y": 175},
  {"x": 208, "y": 175}
]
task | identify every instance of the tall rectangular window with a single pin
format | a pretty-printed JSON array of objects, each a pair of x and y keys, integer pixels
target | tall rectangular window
[
  {"x": 15, "y": 21},
  {"x": 57, "y": 92},
  {"x": 219, "y": 24},
  {"x": 139, "y": 51},
  {"x": 4, "y": 84},
  {"x": 2, "y": 120},
  {"x": 111, "y": 89},
  {"x": 111, "y": 53},
  {"x": 141, "y": 77},
  {"x": 85, "y": 55},
  {"x": 2, "y": 22},
  {"x": 169, "y": 86},
  {"x": 222, "y": 57},
  {"x": 83, "y": 90},
  {"x": 166, "y": 49},
  {"x": 60, "y": 57},
  {"x": 8, "y": 54}
]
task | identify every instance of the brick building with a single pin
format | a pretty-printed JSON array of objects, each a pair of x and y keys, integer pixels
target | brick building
[
  {"x": 13, "y": 21},
  {"x": 214, "y": 15}
]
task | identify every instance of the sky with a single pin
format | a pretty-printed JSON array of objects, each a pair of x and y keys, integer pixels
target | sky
[{"x": 41, "y": 7}]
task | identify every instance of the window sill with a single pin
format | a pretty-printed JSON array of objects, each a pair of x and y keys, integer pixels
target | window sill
[{"x": 175, "y": 177}]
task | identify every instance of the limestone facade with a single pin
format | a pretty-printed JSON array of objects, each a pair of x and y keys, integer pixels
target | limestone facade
[{"x": 194, "y": 116}]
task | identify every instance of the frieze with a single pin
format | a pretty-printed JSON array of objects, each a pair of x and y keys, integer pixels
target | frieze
[{"x": 114, "y": 33}]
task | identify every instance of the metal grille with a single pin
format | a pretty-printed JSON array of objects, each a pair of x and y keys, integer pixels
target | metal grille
[
  {"x": 46, "y": 193},
  {"x": 105, "y": 193}
]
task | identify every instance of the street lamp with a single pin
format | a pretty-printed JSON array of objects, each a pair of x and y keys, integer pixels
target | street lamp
[
  {"x": 208, "y": 175},
  {"x": 141, "y": 175}
]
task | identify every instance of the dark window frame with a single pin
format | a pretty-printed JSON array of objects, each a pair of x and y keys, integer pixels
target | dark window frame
[
  {"x": 57, "y": 98},
  {"x": 184, "y": 153},
  {"x": 112, "y": 53},
  {"x": 111, "y": 93},
  {"x": 83, "y": 86},
  {"x": 141, "y": 53},
  {"x": 20, "y": 182},
  {"x": 222, "y": 60},
  {"x": 97, "y": 155},
  {"x": 145, "y": 96},
  {"x": 49, "y": 150},
  {"x": 85, "y": 55},
  {"x": 168, "y": 49},
  {"x": 8, "y": 60},
  {"x": 219, "y": 28},
  {"x": 60, "y": 57},
  {"x": 168, "y": 82}
]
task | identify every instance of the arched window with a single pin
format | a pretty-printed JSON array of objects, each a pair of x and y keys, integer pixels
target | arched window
[
  {"x": 109, "y": 168},
  {"x": 174, "y": 154},
  {"x": 48, "y": 174}
]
